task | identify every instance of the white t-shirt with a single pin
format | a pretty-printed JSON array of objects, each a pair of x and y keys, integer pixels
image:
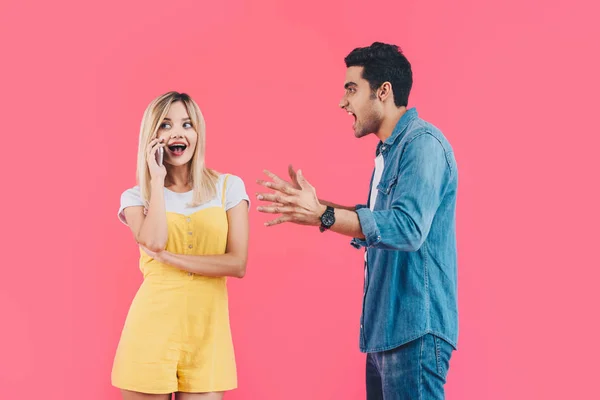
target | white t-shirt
[
  {"x": 376, "y": 179},
  {"x": 175, "y": 202}
]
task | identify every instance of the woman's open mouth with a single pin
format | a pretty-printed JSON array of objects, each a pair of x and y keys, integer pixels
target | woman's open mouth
[{"x": 177, "y": 149}]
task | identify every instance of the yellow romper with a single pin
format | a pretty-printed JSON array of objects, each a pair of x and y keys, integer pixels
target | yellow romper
[{"x": 177, "y": 336}]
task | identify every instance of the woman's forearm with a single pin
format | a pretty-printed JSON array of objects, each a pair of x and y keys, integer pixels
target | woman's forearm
[
  {"x": 215, "y": 265},
  {"x": 154, "y": 232}
]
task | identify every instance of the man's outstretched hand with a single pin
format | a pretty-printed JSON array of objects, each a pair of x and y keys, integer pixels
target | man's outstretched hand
[{"x": 297, "y": 202}]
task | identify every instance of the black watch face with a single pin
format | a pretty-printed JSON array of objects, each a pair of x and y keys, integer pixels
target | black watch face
[{"x": 328, "y": 219}]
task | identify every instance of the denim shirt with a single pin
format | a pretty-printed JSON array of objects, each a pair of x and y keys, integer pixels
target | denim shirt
[{"x": 410, "y": 284}]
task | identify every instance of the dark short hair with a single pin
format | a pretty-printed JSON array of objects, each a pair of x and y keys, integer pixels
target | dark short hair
[{"x": 384, "y": 63}]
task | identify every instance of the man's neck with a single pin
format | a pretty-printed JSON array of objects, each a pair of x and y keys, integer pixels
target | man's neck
[{"x": 389, "y": 122}]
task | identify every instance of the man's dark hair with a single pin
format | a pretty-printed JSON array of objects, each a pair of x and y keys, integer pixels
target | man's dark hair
[{"x": 384, "y": 63}]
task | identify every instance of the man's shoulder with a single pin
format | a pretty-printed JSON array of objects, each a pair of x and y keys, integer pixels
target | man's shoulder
[{"x": 420, "y": 127}]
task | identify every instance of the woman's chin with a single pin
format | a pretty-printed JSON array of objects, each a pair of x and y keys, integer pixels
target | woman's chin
[{"x": 178, "y": 161}]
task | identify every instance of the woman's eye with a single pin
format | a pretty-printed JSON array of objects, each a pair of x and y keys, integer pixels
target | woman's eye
[
  {"x": 165, "y": 125},
  {"x": 187, "y": 125}
]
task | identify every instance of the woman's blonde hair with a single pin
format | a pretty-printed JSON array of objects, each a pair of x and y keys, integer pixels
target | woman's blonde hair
[{"x": 203, "y": 179}]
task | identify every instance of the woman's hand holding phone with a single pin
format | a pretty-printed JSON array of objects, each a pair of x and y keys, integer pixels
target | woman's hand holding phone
[{"x": 155, "y": 156}]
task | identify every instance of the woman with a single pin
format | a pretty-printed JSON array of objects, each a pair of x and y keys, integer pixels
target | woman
[{"x": 191, "y": 224}]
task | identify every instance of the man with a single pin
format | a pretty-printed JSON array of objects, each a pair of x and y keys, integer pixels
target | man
[{"x": 409, "y": 324}]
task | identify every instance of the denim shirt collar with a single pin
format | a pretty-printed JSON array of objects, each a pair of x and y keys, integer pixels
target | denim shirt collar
[{"x": 407, "y": 118}]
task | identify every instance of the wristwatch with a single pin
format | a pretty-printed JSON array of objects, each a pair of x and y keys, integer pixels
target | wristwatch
[{"x": 327, "y": 219}]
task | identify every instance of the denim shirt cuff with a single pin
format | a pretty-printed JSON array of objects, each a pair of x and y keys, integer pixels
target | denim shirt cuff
[
  {"x": 356, "y": 242},
  {"x": 369, "y": 229}
]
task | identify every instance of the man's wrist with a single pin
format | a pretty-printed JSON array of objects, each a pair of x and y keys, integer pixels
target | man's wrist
[
  {"x": 322, "y": 209},
  {"x": 327, "y": 217}
]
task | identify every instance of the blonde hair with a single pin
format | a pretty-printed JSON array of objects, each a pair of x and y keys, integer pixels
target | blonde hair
[{"x": 203, "y": 179}]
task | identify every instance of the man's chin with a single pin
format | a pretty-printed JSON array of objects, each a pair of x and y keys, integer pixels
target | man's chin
[{"x": 359, "y": 133}]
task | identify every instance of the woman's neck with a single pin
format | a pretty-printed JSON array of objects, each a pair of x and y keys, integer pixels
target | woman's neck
[{"x": 178, "y": 178}]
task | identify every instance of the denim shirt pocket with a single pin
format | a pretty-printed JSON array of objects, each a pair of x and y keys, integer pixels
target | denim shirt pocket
[{"x": 386, "y": 186}]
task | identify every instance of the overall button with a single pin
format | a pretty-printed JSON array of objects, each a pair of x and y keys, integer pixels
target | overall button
[
  {"x": 189, "y": 233},
  {"x": 190, "y": 274},
  {"x": 190, "y": 246},
  {"x": 188, "y": 219}
]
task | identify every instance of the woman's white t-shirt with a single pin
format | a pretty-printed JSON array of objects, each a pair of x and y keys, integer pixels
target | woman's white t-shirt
[{"x": 235, "y": 192}]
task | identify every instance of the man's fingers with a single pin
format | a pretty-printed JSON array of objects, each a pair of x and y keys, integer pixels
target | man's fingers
[
  {"x": 278, "y": 221},
  {"x": 304, "y": 184},
  {"x": 293, "y": 176},
  {"x": 291, "y": 172},
  {"x": 280, "y": 187},
  {"x": 273, "y": 176},
  {"x": 275, "y": 197},
  {"x": 278, "y": 209}
]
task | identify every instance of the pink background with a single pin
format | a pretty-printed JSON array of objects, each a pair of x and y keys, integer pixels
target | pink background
[{"x": 513, "y": 85}]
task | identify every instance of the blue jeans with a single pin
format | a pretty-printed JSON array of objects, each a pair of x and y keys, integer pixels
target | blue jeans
[{"x": 414, "y": 371}]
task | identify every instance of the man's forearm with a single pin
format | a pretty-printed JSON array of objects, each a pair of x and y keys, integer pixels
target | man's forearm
[
  {"x": 337, "y": 206},
  {"x": 347, "y": 223}
]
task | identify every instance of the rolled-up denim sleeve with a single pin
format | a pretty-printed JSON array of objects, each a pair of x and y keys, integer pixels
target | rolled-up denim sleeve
[
  {"x": 356, "y": 242},
  {"x": 423, "y": 176}
]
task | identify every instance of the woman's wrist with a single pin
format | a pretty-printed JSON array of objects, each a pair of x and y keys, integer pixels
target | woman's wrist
[{"x": 157, "y": 182}]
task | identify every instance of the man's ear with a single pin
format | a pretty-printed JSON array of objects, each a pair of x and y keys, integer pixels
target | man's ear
[{"x": 384, "y": 91}]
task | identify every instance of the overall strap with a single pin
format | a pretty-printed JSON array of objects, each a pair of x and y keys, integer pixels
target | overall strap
[{"x": 224, "y": 187}]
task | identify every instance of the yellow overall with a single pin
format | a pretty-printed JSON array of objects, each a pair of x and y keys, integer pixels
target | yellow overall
[{"x": 177, "y": 336}]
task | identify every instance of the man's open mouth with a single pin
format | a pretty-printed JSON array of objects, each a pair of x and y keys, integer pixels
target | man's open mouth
[{"x": 354, "y": 116}]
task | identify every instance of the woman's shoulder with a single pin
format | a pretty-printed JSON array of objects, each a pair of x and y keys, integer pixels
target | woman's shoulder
[
  {"x": 133, "y": 192},
  {"x": 229, "y": 177},
  {"x": 230, "y": 182},
  {"x": 131, "y": 197}
]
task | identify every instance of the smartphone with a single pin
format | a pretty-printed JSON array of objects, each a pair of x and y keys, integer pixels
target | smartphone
[{"x": 160, "y": 154}]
